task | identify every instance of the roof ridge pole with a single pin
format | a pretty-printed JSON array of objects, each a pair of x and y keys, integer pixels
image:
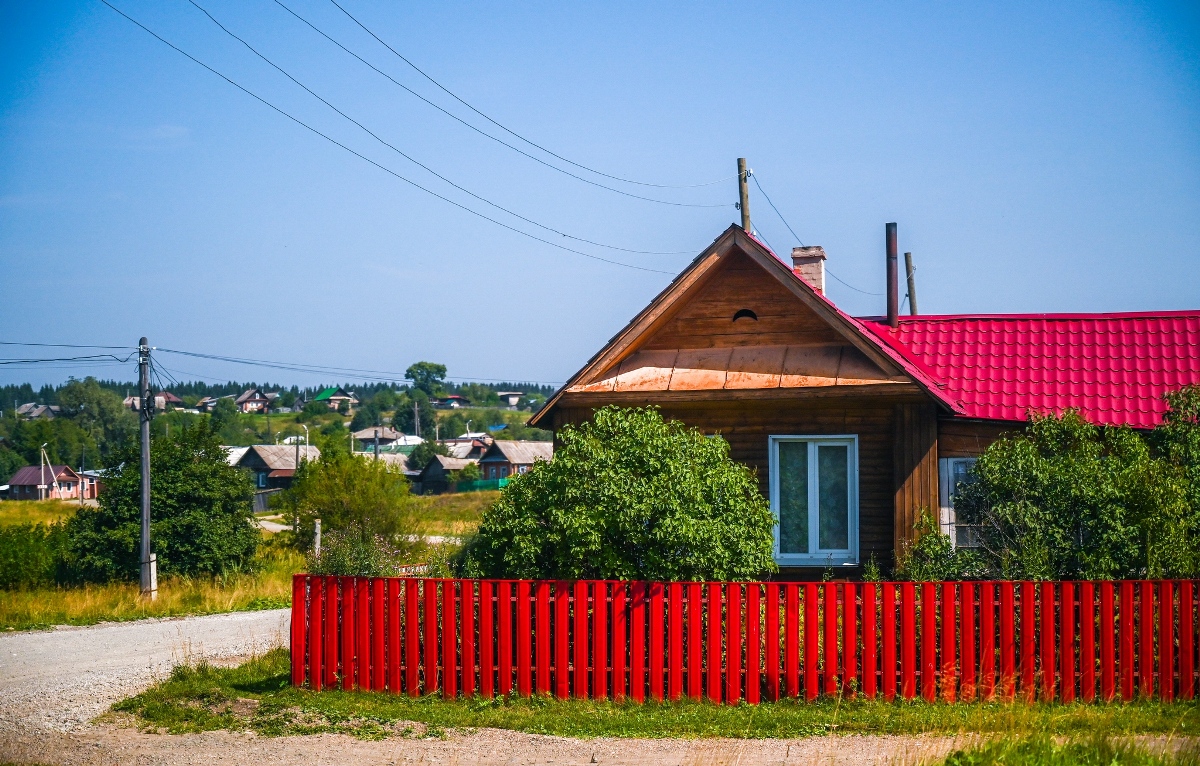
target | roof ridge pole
[
  {"x": 893, "y": 276},
  {"x": 744, "y": 193}
]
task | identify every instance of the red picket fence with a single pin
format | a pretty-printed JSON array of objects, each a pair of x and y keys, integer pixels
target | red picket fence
[{"x": 1029, "y": 641}]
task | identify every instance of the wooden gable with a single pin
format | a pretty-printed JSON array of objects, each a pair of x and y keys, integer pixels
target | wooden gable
[{"x": 737, "y": 326}]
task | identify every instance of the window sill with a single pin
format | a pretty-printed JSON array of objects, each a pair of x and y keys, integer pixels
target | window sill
[{"x": 815, "y": 561}]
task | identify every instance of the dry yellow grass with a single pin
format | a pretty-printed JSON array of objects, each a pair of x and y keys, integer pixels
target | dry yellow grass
[
  {"x": 14, "y": 512},
  {"x": 458, "y": 514},
  {"x": 269, "y": 588}
]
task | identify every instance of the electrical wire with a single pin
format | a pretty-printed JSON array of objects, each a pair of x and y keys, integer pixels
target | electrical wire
[
  {"x": 501, "y": 141},
  {"x": 364, "y": 158},
  {"x": 418, "y": 163},
  {"x": 789, "y": 228},
  {"x": 513, "y": 133},
  {"x": 320, "y": 368},
  {"x": 61, "y": 345},
  {"x": 91, "y": 358}
]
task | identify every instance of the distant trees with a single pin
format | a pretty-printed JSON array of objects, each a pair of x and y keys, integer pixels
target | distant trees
[
  {"x": 404, "y": 419},
  {"x": 424, "y": 452},
  {"x": 98, "y": 412},
  {"x": 427, "y": 376}
]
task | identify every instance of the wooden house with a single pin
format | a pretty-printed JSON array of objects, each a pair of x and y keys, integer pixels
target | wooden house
[
  {"x": 510, "y": 458},
  {"x": 856, "y": 426},
  {"x": 273, "y": 466},
  {"x": 50, "y": 482}
]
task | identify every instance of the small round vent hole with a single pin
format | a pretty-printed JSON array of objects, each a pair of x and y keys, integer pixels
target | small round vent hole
[{"x": 745, "y": 314}]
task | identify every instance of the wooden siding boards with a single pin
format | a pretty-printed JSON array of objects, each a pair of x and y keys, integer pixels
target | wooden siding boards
[
  {"x": 969, "y": 438},
  {"x": 915, "y": 468}
]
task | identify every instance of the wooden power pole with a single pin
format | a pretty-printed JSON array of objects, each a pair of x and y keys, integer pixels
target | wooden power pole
[
  {"x": 149, "y": 579},
  {"x": 744, "y": 193},
  {"x": 912, "y": 283}
]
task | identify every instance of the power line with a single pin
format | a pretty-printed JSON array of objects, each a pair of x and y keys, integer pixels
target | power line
[
  {"x": 91, "y": 359},
  {"x": 419, "y": 164},
  {"x": 502, "y": 142},
  {"x": 391, "y": 375},
  {"x": 364, "y": 158},
  {"x": 61, "y": 345},
  {"x": 514, "y": 133},
  {"x": 789, "y": 228}
]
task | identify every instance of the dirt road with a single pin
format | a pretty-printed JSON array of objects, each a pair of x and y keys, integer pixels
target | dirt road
[
  {"x": 61, "y": 679},
  {"x": 53, "y": 683}
]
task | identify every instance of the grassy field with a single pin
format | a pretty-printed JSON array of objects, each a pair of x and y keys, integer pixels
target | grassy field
[
  {"x": 201, "y": 698},
  {"x": 1094, "y": 750},
  {"x": 14, "y": 512},
  {"x": 457, "y": 514},
  {"x": 268, "y": 588}
]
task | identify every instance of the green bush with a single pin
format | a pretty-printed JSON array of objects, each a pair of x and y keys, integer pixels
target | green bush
[
  {"x": 933, "y": 556},
  {"x": 31, "y": 555},
  {"x": 201, "y": 512},
  {"x": 1069, "y": 500},
  {"x": 352, "y": 554},
  {"x": 1043, "y": 750},
  {"x": 350, "y": 494},
  {"x": 628, "y": 496}
]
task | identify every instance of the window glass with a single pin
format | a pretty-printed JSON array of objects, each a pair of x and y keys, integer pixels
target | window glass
[
  {"x": 793, "y": 497},
  {"x": 834, "y": 494}
]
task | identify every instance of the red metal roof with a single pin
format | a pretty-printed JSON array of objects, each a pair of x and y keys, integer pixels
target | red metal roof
[
  {"x": 32, "y": 475},
  {"x": 1113, "y": 368}
]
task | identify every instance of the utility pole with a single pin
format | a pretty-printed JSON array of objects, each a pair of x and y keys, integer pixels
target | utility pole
[
  {"x": 145, "y": 412},
  {"x": 376, "y": 443},
  {"x": 417, "y": 418},
  {"x": 912, "y": 283},
  {"x": 744, "y": 193}
]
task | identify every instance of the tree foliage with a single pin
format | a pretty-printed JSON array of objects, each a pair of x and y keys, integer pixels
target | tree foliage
[
  {"x": 100, "y": 413},
  {"x": 423, "y": 453},
  {"x": 1066, "y": 499},
  {"x": 429, "y": 377},
  {"x": 201, "y": 513},
  {"x": 629, "y": 496},
  {"x": 351, "y": 495}
]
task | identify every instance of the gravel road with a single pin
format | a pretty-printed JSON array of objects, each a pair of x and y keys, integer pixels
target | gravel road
[{"x": 60, "y": 679}]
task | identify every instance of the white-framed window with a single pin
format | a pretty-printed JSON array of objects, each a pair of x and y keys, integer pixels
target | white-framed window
[
  {"x": 814, "y": 495},
  {"x": 262, "y": 479},
  {"x": 953, "y": 471}
]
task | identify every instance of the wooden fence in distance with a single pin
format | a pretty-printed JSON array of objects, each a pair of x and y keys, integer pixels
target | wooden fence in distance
[{"x": 954, "y": 641}]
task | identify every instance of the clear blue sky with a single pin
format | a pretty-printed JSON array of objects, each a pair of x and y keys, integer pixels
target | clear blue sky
[{"x": 1038, "y": 157}]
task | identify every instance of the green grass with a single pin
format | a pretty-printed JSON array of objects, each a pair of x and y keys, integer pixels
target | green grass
[
  {"x": 1095, "y": 750},
  {"x": 458, "y": 514},
  {"x": 15, "y": 512},
  {"x": 256, "y": 696},
  {"x": 270, "y": 587}
]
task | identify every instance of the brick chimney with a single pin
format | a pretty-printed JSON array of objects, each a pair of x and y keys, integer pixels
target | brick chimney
[{"x": 809, "y": 265}]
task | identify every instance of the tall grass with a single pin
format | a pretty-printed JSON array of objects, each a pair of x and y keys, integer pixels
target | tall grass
[
  {"x": 20, "y": 512},
  {"x": 1099, "y": 749},
  {"x": 457, "y": 514},
  {"x": 269, "y": 587}
]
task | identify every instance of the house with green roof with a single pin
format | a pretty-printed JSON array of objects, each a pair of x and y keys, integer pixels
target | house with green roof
[{"x": 334, "y": 396}]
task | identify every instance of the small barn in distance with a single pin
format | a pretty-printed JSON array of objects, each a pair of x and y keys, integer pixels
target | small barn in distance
[{"x": 855, "y": 425}]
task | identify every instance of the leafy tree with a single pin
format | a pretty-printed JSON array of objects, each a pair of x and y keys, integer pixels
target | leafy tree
[
  {"x": 424, "y": 452},
  {"x": 385, "y": 399},
  {"x": 628, "y": 496},
  {"x": 353, "y": 495},
  {"x": 10, "y": 461},
  {"x": 1069, "y": 500},
  {"x": 427, "y": 376},
  {"x": 454, "y": 425},
  {"x": 1177, "y": 440},
  {"x": 365, "y": 416},
  {"x": 65, "y": 441},
  {"x": 315, "y": 409},
  {"x": 98, "y": 412},
  {"x": 201, "y": 513},
  {"x": 403, "y": 419},
  {"x": 224, "y": 413},
  {"x": 469, "y": 472},
  {"x": 480, "y": 395}
]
